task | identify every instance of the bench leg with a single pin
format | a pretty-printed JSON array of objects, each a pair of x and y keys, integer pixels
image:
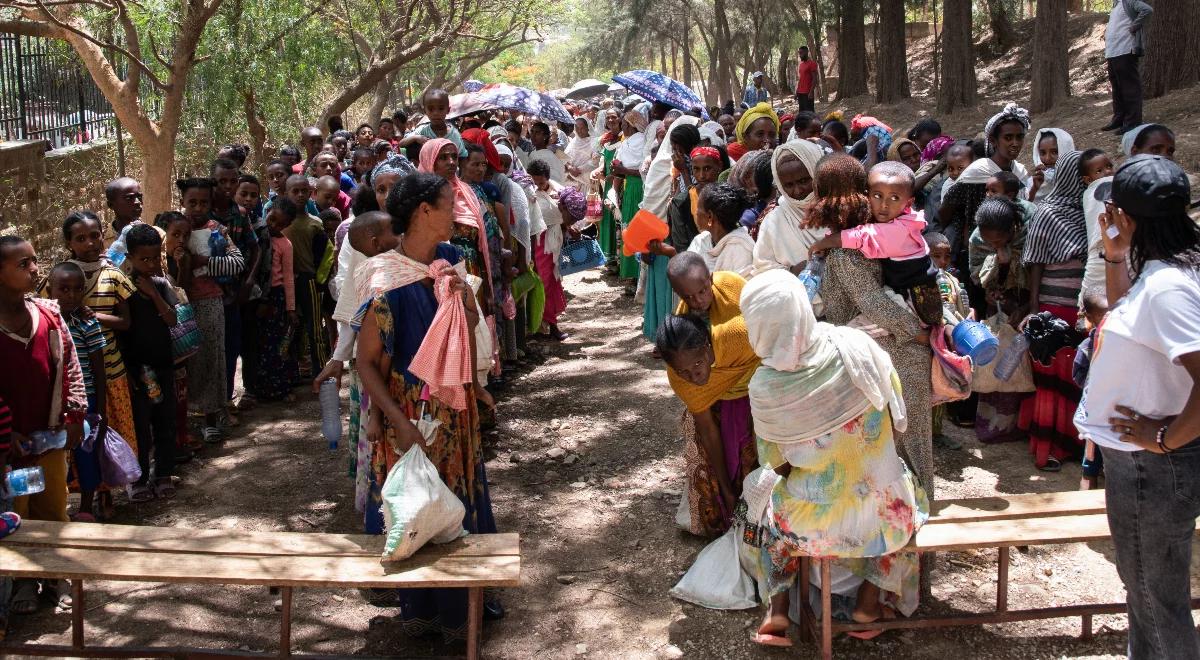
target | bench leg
[
  {"x": 1086, "y": 635},
  {"x": 806, "y": 622},
  {"x": 77, "y": 610},
  {"x": 1002, "y": 581},
  {"x": 285, "y": 623},
  {"x": 826, "y": 610},
  {"x": 474, "y": 621}
]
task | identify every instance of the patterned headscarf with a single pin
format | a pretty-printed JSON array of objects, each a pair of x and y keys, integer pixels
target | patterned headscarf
[
  {"x": 893, "y": 152},
  {"x": 1058, "y": 231},
  {"x": 1011, "y": 112},
  {"x": 574, "y": 202},
  {"x": 936, "y": 147},
  {"x": 637, "y": 119},
  {"x": 395, "y": 164}
]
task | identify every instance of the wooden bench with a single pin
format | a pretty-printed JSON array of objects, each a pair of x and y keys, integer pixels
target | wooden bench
[
  {"x": 287, "y": 560},
  {"x": 985, "y": 522}
]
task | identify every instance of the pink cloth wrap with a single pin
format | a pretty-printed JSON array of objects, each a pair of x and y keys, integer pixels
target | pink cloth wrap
[{"x": 443, "y": 361}]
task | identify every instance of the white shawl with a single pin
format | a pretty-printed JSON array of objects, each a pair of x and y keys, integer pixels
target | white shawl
[
  {"x": 734, "y": 252},
  {"x": 1066, "y": 144},
  {"x": 782, "y": 240},
  {"x": 983, "y": 169},
  {"x": 814, "y": 376},
  {"x": 547, "y": 202},
  {"x": 656, "y": 196}
]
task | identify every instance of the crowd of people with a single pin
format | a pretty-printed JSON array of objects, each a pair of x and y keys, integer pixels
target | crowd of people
[{"x": 802, "y": 301}]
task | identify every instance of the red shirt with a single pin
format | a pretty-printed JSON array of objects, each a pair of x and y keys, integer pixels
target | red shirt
[
  {"x": 30, "y": 396},
  {"x": 806, "y": 76}
]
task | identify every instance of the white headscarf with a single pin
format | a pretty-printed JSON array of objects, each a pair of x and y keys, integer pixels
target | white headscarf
[
  {"x": 814, "y": 376},
  {"x": 657, "y": 196},
  {"x": 714, "y": 133},
  {"x": 1066, "y": 144},
  {"x": 1129, "y": 138},
  {"x": 782, "y": 242}
]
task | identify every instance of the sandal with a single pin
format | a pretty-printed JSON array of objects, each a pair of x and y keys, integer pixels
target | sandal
[
  {"x": 140, "y": 493},
  {"x": 9, "y": 522},
  {"x": 61, "y": 591},
  {"x": 1052, "y": 465},
  {"x": 769, "y": 639},
  {"x": 24, "y": 600},
  {"x": 212, "y": 435},
  {"x": 82, "y": 517},
  {"x": 247, "y": 402},
  {"x": 165, "y": 487}
]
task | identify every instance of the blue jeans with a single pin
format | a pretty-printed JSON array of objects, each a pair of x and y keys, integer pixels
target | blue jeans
[{"x": 1153, "y": 501}]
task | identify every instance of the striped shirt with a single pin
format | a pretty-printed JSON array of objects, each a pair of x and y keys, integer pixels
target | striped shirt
[
  {"x": 88, "y": 338},
  {"x": 5, "y": 427}
]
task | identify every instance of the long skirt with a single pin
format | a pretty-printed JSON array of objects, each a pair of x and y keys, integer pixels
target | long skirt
[
  {"x": 556, "y": 298},
  {"x": 707, "y": 512},
  {"x": 998, "y": 415},
  {"x": 277, "y": 369},
  {"x": 360, "y": 445},
  {"x": 206, "y": 370},
  {"x": 1047, "y": 417},
  {"x": 458, "y": 454},
  {"x": 631, "y": 199},
  {"x": 658, "y": 297},
  {"x": 530, "y": 293},
  {"x": 183, "y": 441}
]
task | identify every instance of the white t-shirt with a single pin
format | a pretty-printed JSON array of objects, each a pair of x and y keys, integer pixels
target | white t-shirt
[
  {"x": 1093, "y": 207},
  {"x": 1135, "y": 360}
]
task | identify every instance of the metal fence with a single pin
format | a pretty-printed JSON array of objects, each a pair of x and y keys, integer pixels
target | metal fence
[{"x": 47, "y": 94}]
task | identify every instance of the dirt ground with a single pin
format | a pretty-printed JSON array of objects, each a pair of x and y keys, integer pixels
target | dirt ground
[{"x": 599, "y": 546}]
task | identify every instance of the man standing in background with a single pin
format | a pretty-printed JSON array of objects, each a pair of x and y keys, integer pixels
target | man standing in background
[
  {"x": 806, "y": 81},
  {"x": 1123, "y": 47}
]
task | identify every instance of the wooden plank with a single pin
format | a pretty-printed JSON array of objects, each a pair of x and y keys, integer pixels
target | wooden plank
[
  {"x": 295, "y": 571},
  {"x": 135, "y": 538},
  {"x": 999, "y": 533},
  {"x": 1032, "y": 505}
]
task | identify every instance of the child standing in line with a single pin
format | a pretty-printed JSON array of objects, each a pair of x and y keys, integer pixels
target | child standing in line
[
  {"x": 247, "y": 197},
  {"x": 1095, "y": 306},
  {"x": 437, "y": 105},
  {"x": 67, "y": 288},
  {"x": 147, "y": 349},
  {"x": 177, "y": 230},
  {"x": 206, "y": 259},
  {"x": 331, "y": 220},
  {"x": 954, "y": 299},
  {"x": 277, "y": 317},
  {"x": 107, "y": 295},
  {"x": 48, "y": 399},
  {"x": 307, "y": 234}
]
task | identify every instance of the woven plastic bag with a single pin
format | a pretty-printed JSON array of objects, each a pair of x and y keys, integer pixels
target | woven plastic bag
[{"x": 418, "y": 507}]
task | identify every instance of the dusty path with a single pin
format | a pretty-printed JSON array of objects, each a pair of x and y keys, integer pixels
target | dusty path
[{"x": 590, "y": 478}]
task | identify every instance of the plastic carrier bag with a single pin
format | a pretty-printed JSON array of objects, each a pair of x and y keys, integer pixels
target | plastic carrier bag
[
  {"x": 118, "y": 464},
  {"x": 418, "y": 507}
]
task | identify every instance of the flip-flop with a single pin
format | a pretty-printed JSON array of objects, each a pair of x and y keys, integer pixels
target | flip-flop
[
  {"x": 865, "y": 634},
  {"x": 165, "y": 488},
  {"x": 212, "y": 435},
  {"x": 83, "y": 517},
  {"x": 24, "y": 600},
  {"x": 768, "y": 639},
  {"x": 141, "y": 493}
]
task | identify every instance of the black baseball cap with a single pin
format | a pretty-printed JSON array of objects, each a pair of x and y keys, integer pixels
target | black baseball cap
[{"x": 1150, "y": 186}]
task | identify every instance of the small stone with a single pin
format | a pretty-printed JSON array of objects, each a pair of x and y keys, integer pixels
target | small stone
[
  {"x": 566, "y": 579},
  {"x": 339, "y": 598},
  {"x": 671, "y": 652},
  {"x": 580, "y": 649},
  {"x": 555, "y": 452},
  {"x": 613, "y": 482},
  {"x": 578, "y": 485},
  {"x": 673, "y": 492},
  {"x": 636, "y": 544},
  {"x": 550, "y": 475},
  {"x": 571, "y": 459},
  {"x": 1048, "y": 571},
  {"x": 514, "y": 457},
  {"x": 243, "y": 647}
]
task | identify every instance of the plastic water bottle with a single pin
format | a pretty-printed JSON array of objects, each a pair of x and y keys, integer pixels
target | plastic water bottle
[
  {"x": 153, "y": 389},
  {"x": 810, "y": 277},
  {"x": 118, "y": 250},
  {"x": 331, "y": 412},
  {"x": 27, "y": 481},
  {"x": 1012, "y": 357}
]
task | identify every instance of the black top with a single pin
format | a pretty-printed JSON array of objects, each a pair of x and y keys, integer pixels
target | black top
[
  {"x": 148, "y": 339},
  {"x": 679, "y": 218}
]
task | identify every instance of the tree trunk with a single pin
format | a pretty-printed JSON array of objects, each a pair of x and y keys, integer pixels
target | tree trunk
[
  {"x": 1002, "y": 29},
  {"x": 257, "y": 129},
  {"x": 376, "y": 72},
  {"x": 852, "y": 50},
  {"x": 1048, "y": 74},
  {"x": 814, "y": 47},
  {"x": 958, "y": 83},
  {"x": 1171, "y": 40},
  {"x": 383, "y": 96},
  {"x": 786, "y": 88},
  {"x": 686, "y": 30},
  {"x": 891, "y": 68}
]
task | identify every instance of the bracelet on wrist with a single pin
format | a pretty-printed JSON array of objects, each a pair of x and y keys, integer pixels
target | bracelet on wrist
[
  {"x": 1160, "y": 438},
  {"x": 1111, "y": 261}
]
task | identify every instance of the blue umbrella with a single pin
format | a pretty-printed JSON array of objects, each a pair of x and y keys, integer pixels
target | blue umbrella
[
  {"x": 473, "y": 85},
  {"x": 658, "y": 87},
  {"x": 509, "y": 97}
]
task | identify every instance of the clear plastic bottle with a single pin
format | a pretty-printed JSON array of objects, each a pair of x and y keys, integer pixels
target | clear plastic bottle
[
  {"x": 810, "y": 277},
  {"x": 26, "y": 481},
  {"x": 153, "y": 389},
  {"x": 1011, "y": 359},
  {"x": 331, "y": 412}
]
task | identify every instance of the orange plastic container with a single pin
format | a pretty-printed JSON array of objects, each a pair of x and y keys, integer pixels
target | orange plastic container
[{"x": 644, "y": 227}]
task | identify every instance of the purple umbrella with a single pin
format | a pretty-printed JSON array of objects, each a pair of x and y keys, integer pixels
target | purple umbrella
[
  {"x": 658, "y": 87},
  {"x": 509, "y": 97}
]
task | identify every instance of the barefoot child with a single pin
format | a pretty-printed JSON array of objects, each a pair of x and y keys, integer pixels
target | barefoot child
[
  {"x": 147, "y": 349},
  {"x": 895, "y": 237},
  {"x": 67, "y": 288}
]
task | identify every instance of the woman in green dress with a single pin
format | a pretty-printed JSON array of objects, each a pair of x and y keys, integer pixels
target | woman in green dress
[
  {"x": 627, "y": 164},
  {"x": 610, "y": 141}
]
